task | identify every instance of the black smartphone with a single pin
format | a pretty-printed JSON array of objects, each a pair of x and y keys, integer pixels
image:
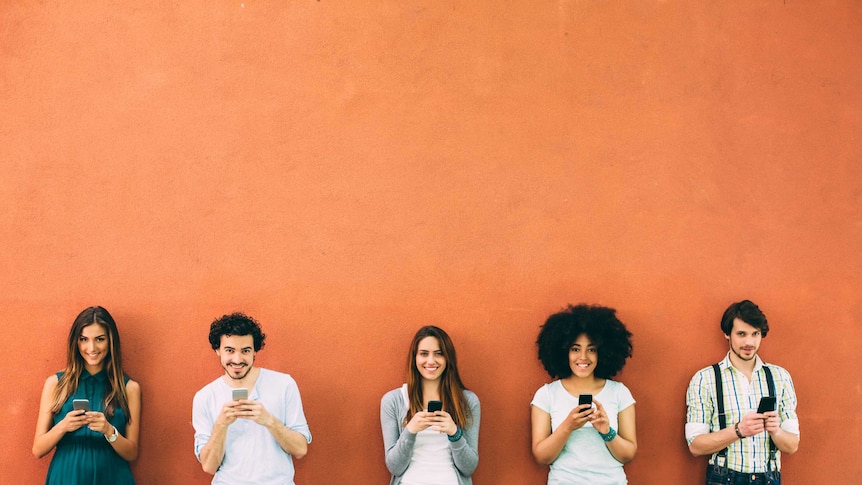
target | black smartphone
[
  {"x": 767, "y": 403},
  {"x": 435, "y": 406},
  {"x": 585, "y": 399},
  {"x": 81, "y": 405}
]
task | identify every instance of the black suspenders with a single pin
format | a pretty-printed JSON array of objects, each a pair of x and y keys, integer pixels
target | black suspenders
[
  {"x": 719, "y": 399},
  {"x": 722, "y": 420}
]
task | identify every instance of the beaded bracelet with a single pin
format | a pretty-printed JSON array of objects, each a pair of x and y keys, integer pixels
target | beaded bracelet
[
  {"x": 455, "y": 437},
  {"x": 609, "y": 436}
]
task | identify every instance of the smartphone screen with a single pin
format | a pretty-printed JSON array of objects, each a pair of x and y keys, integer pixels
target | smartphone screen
[
  {"x": 435, "y": 406},
  {"x": 585, "y": 399},
  {"x": 767, "y": 403},
  {"x": 240, "y": 393},
  {"x": 81, "y": 404}
]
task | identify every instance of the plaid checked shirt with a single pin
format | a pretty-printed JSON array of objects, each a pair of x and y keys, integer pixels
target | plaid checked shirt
[{"x": 751, "y": 454}]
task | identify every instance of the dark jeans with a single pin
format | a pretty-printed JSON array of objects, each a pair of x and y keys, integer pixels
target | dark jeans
[{"x": 723, "y": 476}]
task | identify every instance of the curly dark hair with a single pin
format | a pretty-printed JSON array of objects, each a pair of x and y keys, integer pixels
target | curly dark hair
[
  {"x": 602, "y": 327},
  {"x": 238, "y": 324}
]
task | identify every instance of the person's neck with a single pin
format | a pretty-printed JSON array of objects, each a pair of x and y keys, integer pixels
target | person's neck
[
  {"x": 744, "y": 366},
  {"x": 582, "y": 385},
  {"x": 430, "y": 390}
]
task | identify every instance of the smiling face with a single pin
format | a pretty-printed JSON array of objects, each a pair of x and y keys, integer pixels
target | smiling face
[
  {"x": 583, "y": 356},
  {"x": 429, "y": 359},
  {"x": 236, "y": 353},
  {"x": 744, "y": 341},
  {"x": 93, "y": 346}
]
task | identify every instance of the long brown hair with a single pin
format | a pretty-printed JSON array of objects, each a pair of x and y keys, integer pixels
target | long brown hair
[
  {"x": 115, "y": 394},
  {"x": 451, "y": 387}
]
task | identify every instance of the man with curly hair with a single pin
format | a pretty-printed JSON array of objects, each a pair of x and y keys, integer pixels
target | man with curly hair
[
  {"x": 742, "y": 436},
  {"x": 252, "y": 436},
  {"x": 583, "y": 423}
]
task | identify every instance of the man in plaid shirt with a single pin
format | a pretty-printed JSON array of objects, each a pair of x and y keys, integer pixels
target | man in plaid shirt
[{"x": 746, "y": 448}]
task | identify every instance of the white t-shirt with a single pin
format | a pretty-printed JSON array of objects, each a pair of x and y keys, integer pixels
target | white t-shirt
[
  {"x": 585, "y": 457},
  {"x": 252, "y": 455}
]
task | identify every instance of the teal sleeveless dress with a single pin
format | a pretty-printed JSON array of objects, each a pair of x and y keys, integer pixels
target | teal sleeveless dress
[{"x": 84, "y": 457}]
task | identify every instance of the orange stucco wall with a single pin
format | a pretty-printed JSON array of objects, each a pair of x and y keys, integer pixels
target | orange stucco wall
[{"x": 348, "y": 171}]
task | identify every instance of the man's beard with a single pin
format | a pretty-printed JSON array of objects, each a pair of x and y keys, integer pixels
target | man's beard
[
  {"x": 231, "y": 370},
  {"x": 753, "y": 355}
]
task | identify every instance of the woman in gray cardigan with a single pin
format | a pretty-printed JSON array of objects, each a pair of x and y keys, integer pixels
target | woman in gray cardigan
[{"x": 425, "y": 446}]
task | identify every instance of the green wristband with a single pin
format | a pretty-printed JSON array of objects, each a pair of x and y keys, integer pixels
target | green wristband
[
  {"x": 609, "y": 436},
  {"x": 455, "y": 437}
]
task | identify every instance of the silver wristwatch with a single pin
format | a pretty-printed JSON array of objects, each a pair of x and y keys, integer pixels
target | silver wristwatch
[{"x": 113, "y": 437}]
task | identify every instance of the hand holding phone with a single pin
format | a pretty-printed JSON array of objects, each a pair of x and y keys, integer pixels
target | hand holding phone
[{"x": 434, "y": 406}]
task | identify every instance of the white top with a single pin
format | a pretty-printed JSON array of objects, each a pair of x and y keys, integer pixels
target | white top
[
  {"x": 431, "y": 463},
  {"x": 252, "y": 455},
  {"x": 585, "y": 457}
]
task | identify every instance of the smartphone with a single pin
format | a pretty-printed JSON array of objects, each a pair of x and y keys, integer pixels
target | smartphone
[
  {"x": 435, "y": 406},
  {"x": 767, "y": 403},
  {"x": 239, "y": 393},
  {"x": 81, "y": 405},
  {"x": 585, "y": 399}
]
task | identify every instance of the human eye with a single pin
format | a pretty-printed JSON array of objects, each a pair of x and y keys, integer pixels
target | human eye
[
  {"x": 100, "y": 339},
  {"x": 592, "y": 350},
  {"x": 82, "y": 339}
]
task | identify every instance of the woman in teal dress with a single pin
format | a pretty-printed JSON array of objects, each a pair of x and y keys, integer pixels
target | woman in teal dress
[{"x": 92, "y": 447}]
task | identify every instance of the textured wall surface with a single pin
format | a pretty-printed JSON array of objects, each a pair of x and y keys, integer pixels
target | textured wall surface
[{"x": 349, "y": 171}]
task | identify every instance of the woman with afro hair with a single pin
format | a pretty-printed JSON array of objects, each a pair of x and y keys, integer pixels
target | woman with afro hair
[{"x": 582, "y": 347}]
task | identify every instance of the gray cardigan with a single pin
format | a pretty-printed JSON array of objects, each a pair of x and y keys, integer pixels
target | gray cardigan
[{"x": 398, "y": 442}]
